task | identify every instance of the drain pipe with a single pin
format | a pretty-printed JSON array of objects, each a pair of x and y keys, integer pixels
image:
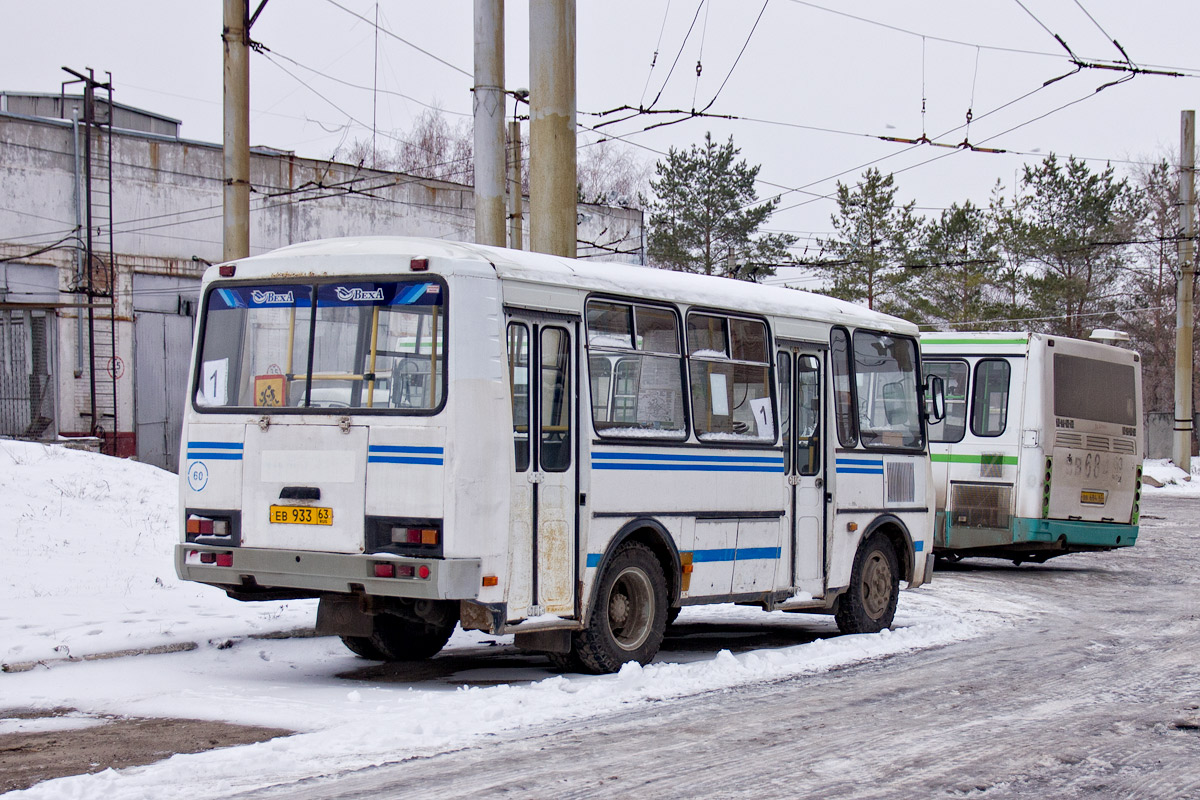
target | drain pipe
[{"x": 78, "y": 247}]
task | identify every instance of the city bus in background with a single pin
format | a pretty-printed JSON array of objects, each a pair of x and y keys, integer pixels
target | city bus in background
[
  {"x": 425, "y": 434},
  {"x": 1040, "y": 451}
]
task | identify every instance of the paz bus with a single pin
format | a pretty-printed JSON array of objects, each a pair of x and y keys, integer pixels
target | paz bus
[
  {"x": 425, "y": 434},
  {"x": 1040, "y": 451}
]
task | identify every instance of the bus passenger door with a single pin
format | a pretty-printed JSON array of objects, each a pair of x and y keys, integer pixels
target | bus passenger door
[
  {"x": 801, "y": 414},
  {"x": 543, "y": 518}
]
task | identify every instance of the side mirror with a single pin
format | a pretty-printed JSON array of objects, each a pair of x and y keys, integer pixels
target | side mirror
[{"x": 935, "y": 398}]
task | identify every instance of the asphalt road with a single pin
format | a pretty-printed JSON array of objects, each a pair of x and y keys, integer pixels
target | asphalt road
[{"x": 1094, "y": 694}]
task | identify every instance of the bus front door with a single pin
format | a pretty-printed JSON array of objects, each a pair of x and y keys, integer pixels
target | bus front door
[
  {"x": 800, "y": 387},
  {"x": 543, "y": 496}
]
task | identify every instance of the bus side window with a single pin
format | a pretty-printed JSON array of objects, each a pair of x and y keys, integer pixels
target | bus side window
[
  {"x": 839, "y": 353},
  {"x": 729, "y": 362},
  {"x": 808, "y": 415},
  {"x": 518, "y": 381},
  {"x": 989, "y": 404},
  {"x": 554, "y": 447},
  {"x": 953, "y": 427}
]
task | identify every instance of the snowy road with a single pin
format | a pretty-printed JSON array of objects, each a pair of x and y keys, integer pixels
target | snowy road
[
  {"x": 1074, "y": 679},
  {"x": 1095, "y": 693}
]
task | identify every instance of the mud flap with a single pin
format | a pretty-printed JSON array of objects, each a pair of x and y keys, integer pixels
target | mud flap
[
  {"x": 544, "y": 641},
  {"x": 343, "y": 616}
]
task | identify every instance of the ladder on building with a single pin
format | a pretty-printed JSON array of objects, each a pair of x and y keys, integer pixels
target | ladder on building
[{"x": 104, "y": 365}]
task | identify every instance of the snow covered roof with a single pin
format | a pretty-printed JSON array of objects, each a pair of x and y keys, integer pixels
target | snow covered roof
[{"x": 595, "y": 276}]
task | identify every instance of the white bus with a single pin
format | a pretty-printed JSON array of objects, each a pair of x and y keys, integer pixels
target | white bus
[
  {"x": 1040, "y": 452},
  {"x": 424, "y": 434}
]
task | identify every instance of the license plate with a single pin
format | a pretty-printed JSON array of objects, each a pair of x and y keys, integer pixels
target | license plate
[
  {"x": 301, "y": 515},
  {"x": 1092, "y": 498}
]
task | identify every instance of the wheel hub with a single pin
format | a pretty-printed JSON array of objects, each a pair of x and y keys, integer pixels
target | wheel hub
[{"x": 876, "y": 585}]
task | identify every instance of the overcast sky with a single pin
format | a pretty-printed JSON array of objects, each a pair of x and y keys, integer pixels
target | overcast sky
[{"x": 814, "y": 87}]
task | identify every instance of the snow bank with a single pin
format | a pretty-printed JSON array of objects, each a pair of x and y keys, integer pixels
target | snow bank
[
  {"x": 87, "y": 569},
  {"x": 1175, "y": 482}
]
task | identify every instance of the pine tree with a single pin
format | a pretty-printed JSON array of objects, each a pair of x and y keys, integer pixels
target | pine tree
[
  {"x": 873, "y": 246},
  {"x": 705, "y": 218},
  {"x": 957, "y": 284},
  {"x": 1072, "y": 229}
]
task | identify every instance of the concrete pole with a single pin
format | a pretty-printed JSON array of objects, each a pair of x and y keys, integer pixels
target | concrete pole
[
  {"x": 237, "y": 131},
  {"x": 552, "y": 180},
  {"x": 1184, "y": 293},
  {"x": 516, "y": 208},
  {"x": 489, "y": 122}
]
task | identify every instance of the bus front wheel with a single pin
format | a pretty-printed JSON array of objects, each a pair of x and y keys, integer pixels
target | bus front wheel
[
  {"x": 869, "y": 605},
  {"x": 630, "y": 617}
]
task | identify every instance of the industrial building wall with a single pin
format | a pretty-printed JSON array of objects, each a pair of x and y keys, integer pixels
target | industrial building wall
[{"x": 167, "y": 224}]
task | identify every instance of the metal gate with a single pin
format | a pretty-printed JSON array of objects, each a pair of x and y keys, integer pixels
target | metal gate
[
  {"x": 163, "y": 345},
  {"x": 26, "y": 379}
]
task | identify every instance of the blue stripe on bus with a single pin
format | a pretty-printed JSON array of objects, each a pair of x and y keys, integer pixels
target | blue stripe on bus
[
  {"x": 712, "y": 556},
  {"x": 672, "y": 457},
  {"x": 206, "y": 456},
  {"x": 402, "y": 460},
  {"x": 216, "y": 445},
  {"x": 774, "y": 468},
  {"x": 390, "y": 448},
  {"x": 859, "y": 466}
]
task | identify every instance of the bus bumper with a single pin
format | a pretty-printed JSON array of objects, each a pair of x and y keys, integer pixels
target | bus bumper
[{"x": 246, "y": 572}]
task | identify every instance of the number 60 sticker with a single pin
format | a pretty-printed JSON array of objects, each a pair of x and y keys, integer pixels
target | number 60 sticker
[{"x": 197, "y": 475}]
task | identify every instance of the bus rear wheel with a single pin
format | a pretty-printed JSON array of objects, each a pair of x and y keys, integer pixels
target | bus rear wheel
[
  {"x": 630, "y": 617},
  {"x": 396, "y": 638},
  {"x": 869, "y": 605}
]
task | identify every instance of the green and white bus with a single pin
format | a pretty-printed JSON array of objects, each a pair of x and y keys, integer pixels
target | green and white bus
[{"x": 1040, "y": 451}]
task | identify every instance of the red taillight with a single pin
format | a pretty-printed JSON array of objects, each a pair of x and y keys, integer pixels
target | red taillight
[
  {"x": 419, "y": 264},
  {"x": 224, "y": 559},
  {"x": 385, "y": 570},
  {"x": 423, "y": 571},
  {"x": 227, "y": 270},
  {"x": 208, "y": 558},
  {"x": 405, "y": 571}
]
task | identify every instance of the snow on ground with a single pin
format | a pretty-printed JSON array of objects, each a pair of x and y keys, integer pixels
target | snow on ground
[
  {"x": 87, "y": 570},
  {"x": 1176, "y": 482},
  {"x": 87, "y": 565}
]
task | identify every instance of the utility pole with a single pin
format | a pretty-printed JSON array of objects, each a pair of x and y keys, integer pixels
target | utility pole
[
  {"x": 237, "y": 130},
  {"x": 489, "y": 122},
  {"x": 516, "y": 216},
  {"x": 552, "y": 178},
  {"x": 1184, "y": 290}
]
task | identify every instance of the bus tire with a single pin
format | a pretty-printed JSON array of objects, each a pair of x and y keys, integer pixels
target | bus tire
[
  {"x": 630, "y": 617},
  {"x": 362, "y": 647},
  {"x": 869, "y": 605},
  {"x": 673, "y": 614},
  {"x": 397, "y": 638}
]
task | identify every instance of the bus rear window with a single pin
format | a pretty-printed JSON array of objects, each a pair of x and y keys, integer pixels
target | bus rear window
[
  {"x": 1088, "y": 388},
  {"x": 377, "y": 345}
]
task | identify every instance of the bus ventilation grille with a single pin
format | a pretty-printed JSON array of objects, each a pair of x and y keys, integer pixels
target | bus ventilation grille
[
  {"x": 1102, "y": 443},
  {"x": 980, "y": 505},
  {"x": 1062, "y": 439},
  {"x": 900, "y": 482},
  {"x": 1124, "y": 446}
]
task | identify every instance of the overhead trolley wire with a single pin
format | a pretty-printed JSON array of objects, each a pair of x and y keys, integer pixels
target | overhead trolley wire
[{"x": 398, "y": 38}]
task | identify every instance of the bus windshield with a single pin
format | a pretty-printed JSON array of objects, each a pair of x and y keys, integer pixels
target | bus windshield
[
  {"x": 885, "y": 372},
  {"x": 377, "y": 345}
]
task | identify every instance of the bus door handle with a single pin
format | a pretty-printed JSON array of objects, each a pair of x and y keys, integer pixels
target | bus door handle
[{"x": 535, "y": 477}]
